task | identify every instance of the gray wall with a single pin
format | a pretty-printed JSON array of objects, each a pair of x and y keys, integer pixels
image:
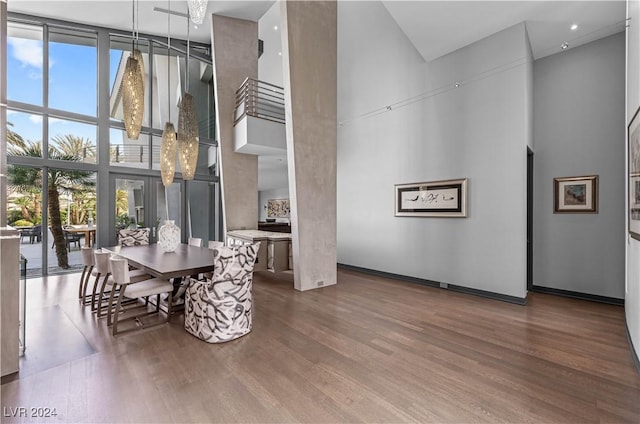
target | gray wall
[
  {"x": 478, "y": 131},
  {"x": 579, "y": 105}
]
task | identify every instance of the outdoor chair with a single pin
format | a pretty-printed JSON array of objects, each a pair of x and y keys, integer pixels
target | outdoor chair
[{"x": 34, "y": 233}]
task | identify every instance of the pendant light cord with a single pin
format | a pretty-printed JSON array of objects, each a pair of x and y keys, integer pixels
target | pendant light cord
[{"x": 186, "y": 78}]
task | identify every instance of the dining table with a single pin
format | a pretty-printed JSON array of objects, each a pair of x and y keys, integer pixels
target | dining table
[
  {"x": 186, "y": 260},
  {"x": 88, "y": 231}
]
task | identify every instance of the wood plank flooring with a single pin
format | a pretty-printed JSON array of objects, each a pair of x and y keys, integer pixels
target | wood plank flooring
[{"x": 370, "y": 349}]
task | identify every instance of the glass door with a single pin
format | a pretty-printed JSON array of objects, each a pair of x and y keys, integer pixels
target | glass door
[{"x": 143, "y": 202}]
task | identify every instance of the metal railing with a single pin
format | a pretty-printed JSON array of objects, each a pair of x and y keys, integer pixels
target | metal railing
[{"x": 260, "y": 100}]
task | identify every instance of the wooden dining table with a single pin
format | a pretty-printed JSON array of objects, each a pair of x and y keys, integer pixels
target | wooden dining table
[
  {"x": 184, "y": 261},
  {"x": 89, "y": 233}
]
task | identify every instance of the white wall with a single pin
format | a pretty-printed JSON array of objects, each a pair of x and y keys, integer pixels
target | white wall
[
  {"x": 270, "y": 63},
  {"x": 632, "y": 296},
  {"x": 478, "y": 131},
  {"x": 579, "y": 130}
]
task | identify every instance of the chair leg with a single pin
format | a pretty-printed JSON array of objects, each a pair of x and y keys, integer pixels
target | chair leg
[
  {"x": 104, "y": 284},
  {"x": 86, "y": 284},
  {"x": 169, "y": 304},
  {"x": 93, "y": 294},
  {"x": 84, "y": 271},
  {"x": 117, "y": 310},
  {"x": 111, "y": 305}
]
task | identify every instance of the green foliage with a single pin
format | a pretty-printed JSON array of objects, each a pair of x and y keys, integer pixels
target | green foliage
[{"x": 22, "y": 223}]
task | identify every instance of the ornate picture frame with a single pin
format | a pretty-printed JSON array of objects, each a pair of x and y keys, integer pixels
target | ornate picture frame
[
  {"x": 447, "y": 199},
  {"x": 575, "y": 194}
]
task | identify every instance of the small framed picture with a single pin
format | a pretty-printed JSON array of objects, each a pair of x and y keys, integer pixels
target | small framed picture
[
  {"x": 446, "y": 199},
  {"x": 633, "y": 134},
  {"x": 575, "y": 194}
]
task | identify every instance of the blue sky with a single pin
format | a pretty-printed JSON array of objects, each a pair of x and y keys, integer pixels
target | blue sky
[{"x": 72, "y": 85}]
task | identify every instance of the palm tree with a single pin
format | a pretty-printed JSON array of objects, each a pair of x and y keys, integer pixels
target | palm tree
[{"x": 22, "y": 178}]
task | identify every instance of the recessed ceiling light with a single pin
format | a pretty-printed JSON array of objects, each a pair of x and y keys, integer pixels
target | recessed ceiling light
[
  {"x": 564, "y": 46},
  {"x": 275, "y": 27},
  {"x": 574, "y": 27},
  {"x": 279, "y": 53}
]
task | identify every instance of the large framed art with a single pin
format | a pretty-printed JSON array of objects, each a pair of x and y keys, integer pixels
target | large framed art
[
  {"x": 633, "y": 136},
  {"x": 432, "y": 199},
  {"x": 575, "y": 194}
]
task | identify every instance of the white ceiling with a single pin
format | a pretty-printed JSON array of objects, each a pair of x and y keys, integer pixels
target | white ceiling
[
  {"x": 439, "y": 27},
  {"x": 117, "y": 14},
  {"x": 434, "y": 27}
]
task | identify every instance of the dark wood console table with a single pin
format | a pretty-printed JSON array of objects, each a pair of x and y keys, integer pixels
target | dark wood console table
[{"x": 276, "y": 227}]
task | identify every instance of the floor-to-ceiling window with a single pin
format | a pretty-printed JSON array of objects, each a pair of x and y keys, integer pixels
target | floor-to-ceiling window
[{"x": 65, "y": 135}]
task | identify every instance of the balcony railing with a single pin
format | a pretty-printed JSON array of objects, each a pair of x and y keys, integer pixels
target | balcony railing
[{"x": 260, "y": 100}]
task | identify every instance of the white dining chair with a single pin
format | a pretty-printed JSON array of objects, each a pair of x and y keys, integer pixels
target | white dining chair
[
  {"x": 129, "y": 289},
  {"x": 88, "y": 260},
  {"x": 194, "y": 241},
  {"x": 99, "y": 299}
]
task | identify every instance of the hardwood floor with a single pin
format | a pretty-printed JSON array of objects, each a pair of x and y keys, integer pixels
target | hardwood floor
[{"x": 370, "y": 349}]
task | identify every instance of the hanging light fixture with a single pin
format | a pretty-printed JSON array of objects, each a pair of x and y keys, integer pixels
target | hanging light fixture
[
  {"x": 187, "y": 127},
  {"x": 168, "y": 146},
  {"x": 132, "y": 86},
  {"x": 197, "y": 10}
]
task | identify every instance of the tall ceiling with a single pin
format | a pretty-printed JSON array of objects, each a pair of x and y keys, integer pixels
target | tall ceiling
[{"x": 434, "y": 27}]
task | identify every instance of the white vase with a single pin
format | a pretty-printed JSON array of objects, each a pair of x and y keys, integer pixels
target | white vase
[{"x": 169, "y": 236}]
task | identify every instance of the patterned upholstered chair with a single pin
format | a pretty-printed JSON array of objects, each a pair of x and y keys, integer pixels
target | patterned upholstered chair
[
  {"x": 133, "y": 236},
  {"x": 218, "y": 310}
]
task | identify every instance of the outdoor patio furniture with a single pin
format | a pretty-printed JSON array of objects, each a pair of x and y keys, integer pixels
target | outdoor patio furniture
[
  {"x": 72, "y": 238},
  {"x": 34, "y": 233}
]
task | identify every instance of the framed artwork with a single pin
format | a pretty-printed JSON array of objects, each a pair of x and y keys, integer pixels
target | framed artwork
[
  {"x": 278, "y": 208},
  {"x": 575, "y": 194},
  {"x": 633, "y": 136},
  {"x": 432, "y": 199}
]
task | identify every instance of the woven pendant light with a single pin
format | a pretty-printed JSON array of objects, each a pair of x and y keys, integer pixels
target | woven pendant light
[
  {"x": 168, "y": 154},
  {"x": 188, "y": 140},
  {"x": 132, "y": 89},
  {"x": 197, "y": 10},
  {"x": 168, "y": 146},
  {"x": 188, "y": 137}
]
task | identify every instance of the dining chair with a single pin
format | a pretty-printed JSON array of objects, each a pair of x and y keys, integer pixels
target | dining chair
[
  {"x": 134, "y": 290},
  {"x": 99, "y": 299},
  {"x": 133, "y": 236},
  {"x": 219, "y": 309},
  {"x": 194, "y": 241},
  {"x": 88, "y": 260}
]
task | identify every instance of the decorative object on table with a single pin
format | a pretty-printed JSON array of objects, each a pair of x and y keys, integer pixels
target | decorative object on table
[
  {"x": 188, "y": 139},
  {"x": 278, "y": 208},
  {"x": 132, "y": 86},
  {"x": 633, "y": 133},
  {"x": 447, "y": 198},
  {"x": 169, "y": 236},
  {"x": 168, "y": 147},
  {"x": 575, "y": 194},
  {"x": 219, "y": 309}
]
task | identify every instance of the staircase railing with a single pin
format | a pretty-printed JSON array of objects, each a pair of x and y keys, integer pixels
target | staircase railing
[{"x": 259, "y": 99}]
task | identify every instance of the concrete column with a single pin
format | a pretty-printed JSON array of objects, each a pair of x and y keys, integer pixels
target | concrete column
[
  {"x": 309, "y": 44},
  {"x": 235, "y": 57}
]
